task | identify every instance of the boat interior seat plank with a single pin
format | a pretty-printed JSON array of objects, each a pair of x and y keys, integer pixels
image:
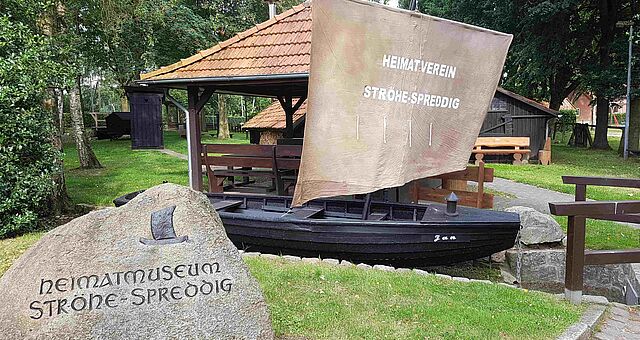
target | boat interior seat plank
[
  {"x": 275, "y": 208},
  {"x": 226, "y": 204},
  {"x": 308, "y": 212},
  {"x": 377, "y": 216}
]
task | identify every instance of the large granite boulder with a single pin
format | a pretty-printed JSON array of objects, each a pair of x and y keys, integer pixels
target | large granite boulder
[
  {"x": 107, "y": 275},
  {"x": 537, "y": 228}
]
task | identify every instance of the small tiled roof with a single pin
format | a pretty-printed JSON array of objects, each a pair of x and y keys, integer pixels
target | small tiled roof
[
  {"x": 273, "y": 118},
  {"x": 281, "y": 45}
]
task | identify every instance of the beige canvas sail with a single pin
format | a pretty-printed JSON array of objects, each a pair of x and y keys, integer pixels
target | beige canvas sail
[{"x": 394, "y": 96}]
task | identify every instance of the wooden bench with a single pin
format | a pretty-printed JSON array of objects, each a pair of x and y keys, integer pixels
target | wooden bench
[
  {"x": 226, "y": 161},
  {"x": 516, "y": 146},
  {"x": 478, "y": 199}
]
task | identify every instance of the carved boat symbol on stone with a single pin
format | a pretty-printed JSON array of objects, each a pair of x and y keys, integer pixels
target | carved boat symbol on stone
[{"x": 162, "y": 228}]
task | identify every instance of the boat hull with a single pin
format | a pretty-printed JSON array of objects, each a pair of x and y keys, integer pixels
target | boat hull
[{"x": 409, "y": 235}]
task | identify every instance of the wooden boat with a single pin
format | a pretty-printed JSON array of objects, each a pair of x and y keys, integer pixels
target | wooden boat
[{"x": 397, "y": 234}]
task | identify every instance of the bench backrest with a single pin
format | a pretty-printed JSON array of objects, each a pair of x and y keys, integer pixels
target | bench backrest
[
  {"x": 253, "y": 150},
  {"x": 496, "y": 142},
  {"x": 478, "y": 199},
  {"x": 246, "y": 155}
]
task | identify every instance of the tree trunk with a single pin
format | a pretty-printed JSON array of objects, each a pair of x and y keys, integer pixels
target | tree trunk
[
  {"x": 59, "y": 201},
  {"x": 600, "y": 140},
  {"x": 608, "y": 10},
  {"x": 223, "y": 133},
  {"x": 60, "y": 110},
  {"x": 555, "y": 102},
  {"x": 86, "y": 156},
  {"x": 634, "y": 125},
  {"x": 124, "y": 104}
]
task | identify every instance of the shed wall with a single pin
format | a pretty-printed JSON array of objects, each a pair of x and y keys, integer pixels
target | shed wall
[{"x": 504, "y": 107}]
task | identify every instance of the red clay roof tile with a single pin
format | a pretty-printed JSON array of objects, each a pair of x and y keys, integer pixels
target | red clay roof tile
[{"x": 281, "y": 45}]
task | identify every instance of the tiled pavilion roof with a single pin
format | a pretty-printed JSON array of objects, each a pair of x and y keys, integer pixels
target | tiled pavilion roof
[
  {"x": 273, "y": 118},
  {"x": 278, "y": 46}
]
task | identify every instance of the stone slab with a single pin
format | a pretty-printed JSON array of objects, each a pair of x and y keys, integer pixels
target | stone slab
[{"x": 107, "y": 275}]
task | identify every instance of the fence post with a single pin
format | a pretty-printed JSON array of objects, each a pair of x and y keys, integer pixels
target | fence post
[
  {"x": 575, "y": 259},
  {"x": 573, "y": 280}
]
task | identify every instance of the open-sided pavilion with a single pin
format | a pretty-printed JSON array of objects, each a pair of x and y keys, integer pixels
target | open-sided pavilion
[{"x": 269, "y": 60}]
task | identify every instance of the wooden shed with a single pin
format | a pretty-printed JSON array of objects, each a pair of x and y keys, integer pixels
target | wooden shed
[{"x": 513, "y": 115}]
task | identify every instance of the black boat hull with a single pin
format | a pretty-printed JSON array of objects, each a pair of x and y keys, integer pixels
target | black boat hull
[{"x": 409, "y": 235}]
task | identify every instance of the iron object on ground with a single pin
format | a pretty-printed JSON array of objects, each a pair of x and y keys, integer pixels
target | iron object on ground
[{"x": 117, "y": 124}]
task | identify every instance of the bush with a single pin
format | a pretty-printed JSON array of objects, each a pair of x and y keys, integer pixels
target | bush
[
  {"x": 27, "y": 156},
  {"x": 568, "y": 117},
  {"x": 564, "y": 124}
]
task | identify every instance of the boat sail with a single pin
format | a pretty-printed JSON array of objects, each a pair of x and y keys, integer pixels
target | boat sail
[{"x": 394, "y": 96}]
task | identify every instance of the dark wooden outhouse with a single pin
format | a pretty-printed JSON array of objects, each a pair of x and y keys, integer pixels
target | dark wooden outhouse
[
  {"x": 146, "y": 117},
  {"x": 513, "y": 115}
]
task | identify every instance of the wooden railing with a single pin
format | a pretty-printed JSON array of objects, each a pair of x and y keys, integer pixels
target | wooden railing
[{"x": 577, "y": 213}]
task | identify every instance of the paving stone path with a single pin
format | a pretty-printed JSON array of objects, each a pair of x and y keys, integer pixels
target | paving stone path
[
  {"x": 174, "y": 154},
  {"x": 524, "y": 195},
  {"x": 622, "y": 322}
]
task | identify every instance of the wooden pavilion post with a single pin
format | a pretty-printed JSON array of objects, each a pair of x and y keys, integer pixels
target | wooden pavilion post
[
  {"x": 289, "y": 109},
  {"x": 194, "y": 145}
]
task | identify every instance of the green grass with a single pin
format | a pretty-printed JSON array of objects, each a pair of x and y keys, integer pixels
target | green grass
[
  {"x": 568, "y": 160},
  {"x": 124, "y": 171},
  {"x": 603, "y": 235},
  {"x": 577, "y": 162},
  {"x": 318, "y": 301},
  {"x": 173, "y": 141},
  {"x": 12, "y": 248}
]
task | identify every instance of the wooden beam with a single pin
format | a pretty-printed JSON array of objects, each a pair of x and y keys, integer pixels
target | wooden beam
[
  {"x": 611, "y": 256},
  {"x": 193, "y": 140},
  {"x": 594, "y": 208},
  {"x": 204, "y": 98},
  {"x": 602, "y": 181},
  {"x": 285, "y": 102},
  {"x": 299, "y": 103},
  {"x": 289, "y": 109}
]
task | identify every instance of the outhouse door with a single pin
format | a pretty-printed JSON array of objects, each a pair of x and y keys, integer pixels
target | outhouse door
[{"x": 146, "y": 120}]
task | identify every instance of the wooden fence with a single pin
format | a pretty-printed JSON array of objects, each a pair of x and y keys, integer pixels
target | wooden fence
[{"x": 577, "y": 213}]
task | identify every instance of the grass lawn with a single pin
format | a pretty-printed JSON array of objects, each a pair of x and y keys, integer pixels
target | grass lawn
[
  {"x": 173, "y": 141},
  {"x": 584, "y": 162},
  {"x": 12, "y": 248},
  {"x": 126, "y": 170},
  {"x": 603, "y": 235},
  {"x": 320, "y": 301},
  {"x": 568, "y": 160}
]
